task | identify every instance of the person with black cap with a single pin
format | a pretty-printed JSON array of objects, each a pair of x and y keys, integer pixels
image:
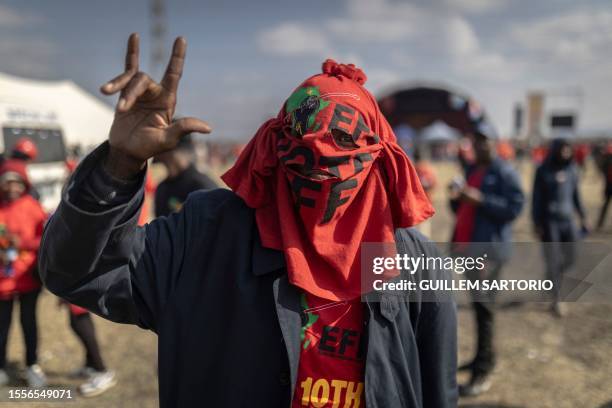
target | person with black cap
[
  {"x": 485, "y": 206},
  {"x": 555, "y": 199}
]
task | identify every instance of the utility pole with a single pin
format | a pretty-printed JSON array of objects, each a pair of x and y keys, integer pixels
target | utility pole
[{"x": 158, "y": 35}]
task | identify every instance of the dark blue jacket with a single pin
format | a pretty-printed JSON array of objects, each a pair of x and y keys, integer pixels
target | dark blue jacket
[
  {"x": 503, "y": 201},
  {"x": 227, "y": 318},
  {"x": 555, "y": 194}
]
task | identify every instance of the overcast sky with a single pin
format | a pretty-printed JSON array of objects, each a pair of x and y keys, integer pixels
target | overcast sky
[{"x": 245, "y": 57}]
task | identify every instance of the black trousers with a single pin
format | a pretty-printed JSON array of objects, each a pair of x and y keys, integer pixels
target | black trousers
[
  {"x": 27, "y": 315},
  {"x": 483, "y": 304},
  {"x": 559, "y": 247},
  {"x": 83, "y": 327},
  {"x": 484, "y": 361},
  {"x": 604, "y": 208}
]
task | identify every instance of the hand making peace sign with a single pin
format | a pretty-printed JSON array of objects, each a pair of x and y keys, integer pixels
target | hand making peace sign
[{"x": 143, "y": 125}]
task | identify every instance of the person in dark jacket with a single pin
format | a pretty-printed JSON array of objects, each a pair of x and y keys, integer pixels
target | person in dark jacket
[
  {"x": 485, "y": 206},
  {"x": 183, "y": 178},
  {"x": 555, "y": 200},
  {"x": 212, "y": 280}
]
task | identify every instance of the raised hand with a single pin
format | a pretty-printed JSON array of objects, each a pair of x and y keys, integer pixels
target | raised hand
[{"x": 143, "y": 126}]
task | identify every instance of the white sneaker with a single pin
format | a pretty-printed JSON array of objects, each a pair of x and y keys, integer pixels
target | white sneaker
[
  {"x": 35, "y": 376},
  {"x": 4, "y": 378},
  {"x": 99, "y": 383},
  {"x": 82, "y": 372}
]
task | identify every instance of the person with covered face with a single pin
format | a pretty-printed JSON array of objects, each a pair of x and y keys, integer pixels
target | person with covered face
[
  {"x": 21, "y": 226},
  {"x": 255, "y": 293},
  {"x": 555, "y": 203}
]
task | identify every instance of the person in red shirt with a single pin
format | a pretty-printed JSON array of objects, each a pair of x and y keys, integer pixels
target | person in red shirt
[
  {"x": 486, "y": 203},
  {"x": 21, "y": 225}
]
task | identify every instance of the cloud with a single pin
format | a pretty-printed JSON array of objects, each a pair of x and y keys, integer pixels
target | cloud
[
  {"x": 13, "y": 18},
  {"x": 380, "y": 79},
  {"x": 415, "y": 35},
  {"x": 374, "y": 22},
  {"x": 26, "y": 56},
  {"x": 21, "y": 53},
  {"x": 460, "y": 37},
  {"x": 576, "y": 37},
  {"x": 450, "y": 40},
  {"x": 475, "y": 6},
  {"x": 387, "y": 21},
  {"x": 293, "y": 39},
  {"x": 370, "y": 30},
  {"x": 490, "y": 67}
]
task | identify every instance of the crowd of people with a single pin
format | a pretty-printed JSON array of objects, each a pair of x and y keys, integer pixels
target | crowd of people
[{"x": 251, "y": 241}]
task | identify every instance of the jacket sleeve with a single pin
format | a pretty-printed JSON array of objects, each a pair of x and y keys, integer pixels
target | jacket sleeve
[
  {"x": 104, "y": 262},
  {"x": 437, "y": 342},
  {"x": 537, "y": 199},
  {"x": 507, "y": 204}
]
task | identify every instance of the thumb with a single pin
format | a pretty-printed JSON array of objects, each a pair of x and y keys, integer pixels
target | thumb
[{"x": 184, "y": 126}]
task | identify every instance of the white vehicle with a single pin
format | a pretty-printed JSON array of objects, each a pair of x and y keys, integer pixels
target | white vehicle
[
  {"x": 56, "y": 116},
  {"x": 48, "y": 171}
]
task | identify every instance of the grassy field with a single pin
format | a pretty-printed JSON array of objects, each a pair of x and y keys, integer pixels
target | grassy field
[{"x": 543, "y": 361}]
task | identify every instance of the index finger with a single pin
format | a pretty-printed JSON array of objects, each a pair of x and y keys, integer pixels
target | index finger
[
  {"x": 175, "y": 65},
  {"x": 131, "y": 55}
]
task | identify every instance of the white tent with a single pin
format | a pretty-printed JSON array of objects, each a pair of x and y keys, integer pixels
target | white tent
[
  {"x": 440, "y": 132},
  {"x": 83, "y": 119}
]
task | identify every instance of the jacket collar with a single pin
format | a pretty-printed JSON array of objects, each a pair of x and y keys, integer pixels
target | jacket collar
[{"x": 265, "y": 260}]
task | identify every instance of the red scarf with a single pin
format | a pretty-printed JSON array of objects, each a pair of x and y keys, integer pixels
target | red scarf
[{"x": 330, "y": 125}]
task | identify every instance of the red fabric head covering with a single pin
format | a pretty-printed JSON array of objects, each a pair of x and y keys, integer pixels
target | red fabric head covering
[{"x": 330, "y": 125}]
